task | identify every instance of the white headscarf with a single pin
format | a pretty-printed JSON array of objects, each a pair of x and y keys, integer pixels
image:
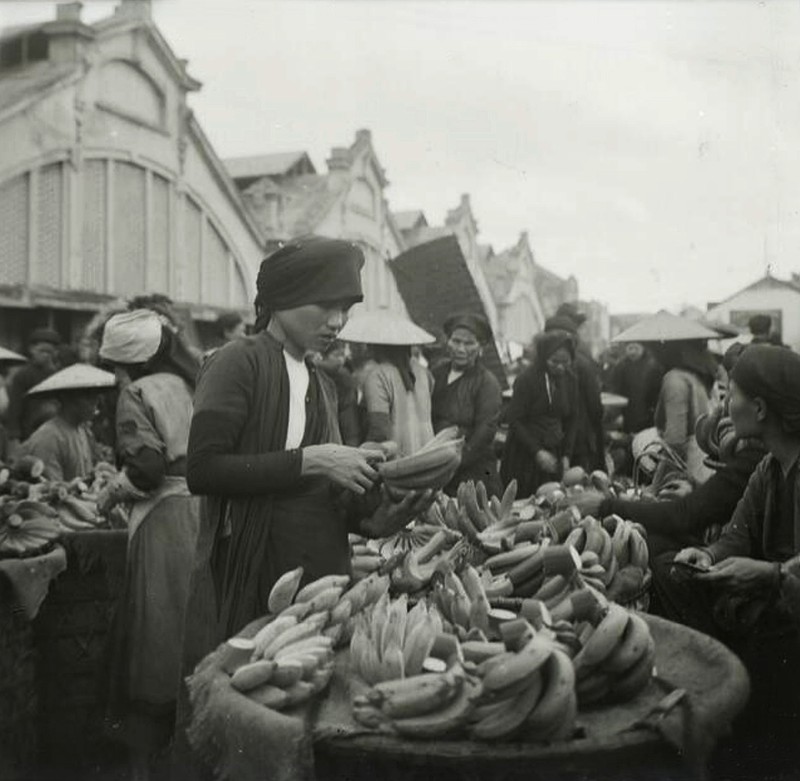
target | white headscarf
[{"x": 131, "y": 337}]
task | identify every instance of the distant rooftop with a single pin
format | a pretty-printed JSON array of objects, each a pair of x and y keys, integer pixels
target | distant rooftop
[{"x": 277, "y": 164}]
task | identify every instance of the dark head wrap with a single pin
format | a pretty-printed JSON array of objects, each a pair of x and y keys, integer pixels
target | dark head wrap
[
  {"x": 44, "y": 335},
  {"x": 773, "y": 374},
  {"x": 548, "y": 342},
  {"x": 732, "y": 355},
  {"x": 476, "y": 324},
  {"x": 310, "y": 270},
  {"x": 561, "y": 323},
  {"x": 570, "y": 310}
]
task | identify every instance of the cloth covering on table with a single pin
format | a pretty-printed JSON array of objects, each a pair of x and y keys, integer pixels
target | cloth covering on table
[
  {"x": 30, "y": 578},
  {"x": 247, "y": 742}
]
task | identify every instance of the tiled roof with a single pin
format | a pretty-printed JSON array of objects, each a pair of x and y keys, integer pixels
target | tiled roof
[
  {"x": 435, "y": 282},
  {"x": 263, "y": 165}
]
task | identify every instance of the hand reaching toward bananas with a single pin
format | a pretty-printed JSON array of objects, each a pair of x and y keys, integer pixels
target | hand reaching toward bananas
[
  {"x": 345, "y": 466},
  {"x": 696, "y": 556},
  {"x": 742, "y": 574},
  {"x": 393, "y": 515}
]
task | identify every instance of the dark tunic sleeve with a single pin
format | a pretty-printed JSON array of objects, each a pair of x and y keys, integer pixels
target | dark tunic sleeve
[
  {"x": 487, "y": 403},
  {"x": 222, "y": 410},
  {"x": 518, "y": 412}
]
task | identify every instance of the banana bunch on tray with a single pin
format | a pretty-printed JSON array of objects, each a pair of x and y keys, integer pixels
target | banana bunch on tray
[
  {"x": 27, "y": 528},
  {"x": 616, "y": 658},
  {"x": 390, "y": 641},
  {"x": 290, "y": 659},
  {"x": 528, "y": 689}
]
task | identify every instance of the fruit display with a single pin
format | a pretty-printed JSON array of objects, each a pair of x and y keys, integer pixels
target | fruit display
[
  {"x": 27, "y": 528},
  {"x": 390, "y": 641},
  {"x": 290, "y": 659},
  {"x": 528, "y": 691},
  {"x": 432, "y": 466},
  {"x": 616, "y": 658}
]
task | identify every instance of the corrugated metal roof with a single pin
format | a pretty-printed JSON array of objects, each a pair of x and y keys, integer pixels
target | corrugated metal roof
[{"x": 435, "y": 282}]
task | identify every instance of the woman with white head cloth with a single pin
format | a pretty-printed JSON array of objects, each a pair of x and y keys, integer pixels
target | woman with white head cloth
[{"x": 154, "y": 412}]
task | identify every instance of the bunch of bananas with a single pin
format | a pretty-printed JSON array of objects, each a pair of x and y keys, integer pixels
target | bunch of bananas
[
  {"x": 427, "y": 706},
  {"x": 616, "y": 659},
  {"x": 389, "y": 641},
  {"x": 433, "y": 466},
  {"x": 528, "y": 692},
  {"x": 462, "y": 601},
  {"x": 629, "y": 541},
  {"x": 27, "y": 528}
]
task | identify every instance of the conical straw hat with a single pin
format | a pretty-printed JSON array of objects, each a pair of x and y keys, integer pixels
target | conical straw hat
[
  {"x": 665, "y": 327},
  {"x": 79, "y": 376},
  {"x": 383, "y": 327},
  {"x": 9, "y": 355}
]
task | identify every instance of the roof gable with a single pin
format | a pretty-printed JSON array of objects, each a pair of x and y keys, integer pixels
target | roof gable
[
  {"x": 767, "y": 282},
  {"x": 278, "y": 164}
]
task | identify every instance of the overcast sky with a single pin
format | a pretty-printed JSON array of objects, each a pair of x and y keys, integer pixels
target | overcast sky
[{"x": 652, "y": 149}]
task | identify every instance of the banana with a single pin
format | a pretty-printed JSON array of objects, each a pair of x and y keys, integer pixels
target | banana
[
  {"x": 473, "y": 585},
  {"x": 311, "y": 626},
  {"x": 499, "y": 587},
  {"x": 594, "y": 688},
  {"x": 603, "y": 640},
  {"x": 300, "y": 611},
  {"x": 606, "y": 553},
  {"x": 417, "y": 647},
  {"x": 366, "y": 563},
  {"x": 559, "y": 687},
  {"x": 448, "y": 434},
  {"x": 504, "y": 722},
  {"x": 507, "y": 502},
  {"x": 445, "y": 721},
  {"x": 270, "y": 632},
  {"x": 552, "y": 586},
  {"x": 250, "y": 676},
  {"x": 531, "y": 586},
  {"x": 269, "y": 696},
  {"x": 237, "y": 652},
  {"x": 619, "y": 543},
  {"x": 342, "y": 611},
  {"x": 282, "y": 593},
  {"x": 428, "y": 692},
  {"x": 637, "y": 550},
  {"x": 434, "y": 477},
  {"x": 394, "y": 628},
  {"x": 631, "y": 682},
  {"x": 286, "y": 673},
  {"x": 478, "y": 651},
  {"x": 563, "y": 727},
  {"x": 634, "y": 643},
  {"x": 298, "y": 693},
  {"x": 594, "y": 539},
  {"x": 503, "y": 561},
  {"x": 422, "y": 461},
  {"x": 611, "y": 571},
  {"x": 392, "y": 662},
  {"x": 516, "y": 668},
  {"x": 313, "y": 644},
  {"x": 528, "y": 568},
  {"x": 470, "y": 504},
  {"x": 307, "y": 593},
  {"x": 589, "y": 559}
]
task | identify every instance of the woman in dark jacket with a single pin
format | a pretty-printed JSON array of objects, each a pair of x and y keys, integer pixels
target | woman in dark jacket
[
  {"x": 467, "y": 395},
  {"x": 541, "y": 415}
]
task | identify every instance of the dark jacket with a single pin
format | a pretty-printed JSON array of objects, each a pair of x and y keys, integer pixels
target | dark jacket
[
  {"x": 25, "y": 414},
  {"x": 639, "y": 382},
  {"x": 753, "y": 529},
  {"x": 472, "y": 402},
  {"x": 536, "y": 422},
  {"x": 588, "y": 449}
]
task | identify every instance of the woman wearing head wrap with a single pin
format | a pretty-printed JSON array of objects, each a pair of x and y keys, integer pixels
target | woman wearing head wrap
[
  {"x": 154, "y": 411},
  {"x": 541, "y": 415},
  {"x": 265, "y": 448},
  {"x": 467, "y": 395},
  {"x": 737, "y": 598}
]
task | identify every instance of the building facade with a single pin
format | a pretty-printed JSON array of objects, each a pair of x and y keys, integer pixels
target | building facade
[
  {"x": 108, "y": 186},
  {"x": 288, "y": 198}
]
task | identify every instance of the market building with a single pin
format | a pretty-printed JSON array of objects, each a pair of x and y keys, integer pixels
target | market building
[
  {"x": 287, "y": 198},
  {"x": 778, "y": 298},
  {"x": 108, "y": 186}
]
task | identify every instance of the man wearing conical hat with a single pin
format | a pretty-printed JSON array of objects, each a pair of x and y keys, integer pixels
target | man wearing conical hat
[{"x": 64, "y": 442}]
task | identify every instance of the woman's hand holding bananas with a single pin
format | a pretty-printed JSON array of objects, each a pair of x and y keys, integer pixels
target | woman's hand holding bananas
[
  {"x": 345, "y": 466},
  {"x": 391, "y": 515}
]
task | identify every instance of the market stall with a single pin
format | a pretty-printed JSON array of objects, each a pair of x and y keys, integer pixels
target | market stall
[{"x": 488, "y": 639}]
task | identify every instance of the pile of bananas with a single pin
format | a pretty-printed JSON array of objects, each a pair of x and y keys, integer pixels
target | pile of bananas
[
  {"x": 528, "y": 691},
  {"x": 390, "y": 641},
  {"x": 291, "y": 658},
  {"x": 616, "y": 659},
  {"x": 427, "y": 706},
  {"x": 433, "y": 466},
  {"x": 27, "y": 528}
]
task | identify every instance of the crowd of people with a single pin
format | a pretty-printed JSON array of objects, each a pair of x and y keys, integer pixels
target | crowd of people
[{"x": 242, "y": 462}]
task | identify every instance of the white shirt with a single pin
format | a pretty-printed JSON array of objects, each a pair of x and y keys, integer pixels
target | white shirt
[
  {"x": 298, "y": 388},
  {"x": 453, "y": 375}
]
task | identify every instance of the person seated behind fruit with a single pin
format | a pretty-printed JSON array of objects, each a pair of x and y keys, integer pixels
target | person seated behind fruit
[{"x": 65, "y": 443}]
